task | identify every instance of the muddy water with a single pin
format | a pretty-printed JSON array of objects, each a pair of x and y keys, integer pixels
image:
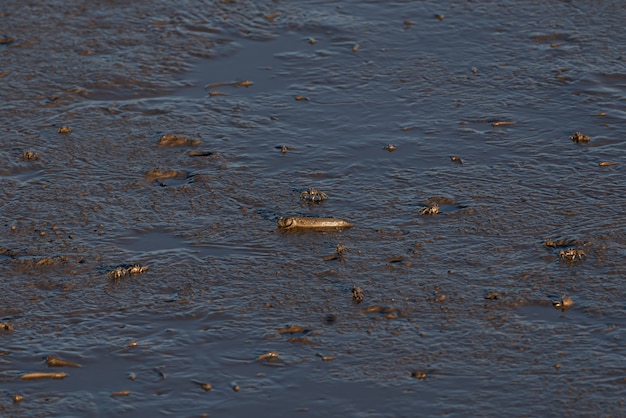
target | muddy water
[{"x": 332, "y": 83}]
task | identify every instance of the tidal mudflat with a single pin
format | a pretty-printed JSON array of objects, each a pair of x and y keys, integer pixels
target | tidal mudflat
[{"x": 149, "y": 150}]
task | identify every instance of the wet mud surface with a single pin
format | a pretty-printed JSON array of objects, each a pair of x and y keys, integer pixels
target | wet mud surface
[{"x": 460, "y": 310}]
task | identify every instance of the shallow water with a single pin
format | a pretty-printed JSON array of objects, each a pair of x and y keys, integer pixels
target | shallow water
[{"x": 223, "y": 282}]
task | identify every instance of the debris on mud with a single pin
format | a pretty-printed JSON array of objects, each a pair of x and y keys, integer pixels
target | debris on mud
[
  {"x": 326, "y": 358},
  {"x": 6, "y": 40},
  {"x": 199, "y": 153},
  {"x": 268, "y": 355},
  {"x": 213, "y": 93},
  {"x": 177, "y": 141},
  {"x": 153, "y": 175},
  {"x": 244, "y": 83},
  {"x": 39, "y": 264},
  {"x": 293, "y": 329},
  {"x": 502, "y": 123},
  {"x": 53, "y": 361},
  {"x": 561, "y": 243},
  {"x": 271, "y": 357},
  {"x": 389, "y": 312},
  {"x": 43, "y": 375}
]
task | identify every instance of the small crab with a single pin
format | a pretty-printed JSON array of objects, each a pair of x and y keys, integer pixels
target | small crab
[
  {"x": 136, "y": 269},
  {"x": 341, "y": 249},
  {"x": 357, "y": 294},
  {"x": 5, "y": 326},
  {"x": 64, "y": 130},
  {"x": 30, "y": 155},
  {"x": 118, "y": 273},
  {"x": 338, "y": 254},
  {"x": 284, "y": 148},
  {"x": 430, "y": 210},
  {"x": 565, "y": 303},
  {"x": 313, "y": 195},
  {"x": 419, "y": 374},
  {"x": 390, "y": 147},
  {"x": 578, "y": 137},
  {"x": 571, "y": 254}
]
